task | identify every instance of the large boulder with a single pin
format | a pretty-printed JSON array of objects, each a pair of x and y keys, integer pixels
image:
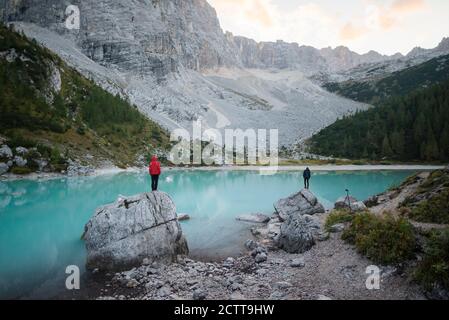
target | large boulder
[
  {"x": 303, "y": 202},
  {"x": 297, "y": 233},
  {"x": 299, "y": 227},
  {"x": 5, "y": 152},
  {"x": 20, "y": 162},
  {"x": 350, "y": 203},
  {"x": 122, "y": 234}
]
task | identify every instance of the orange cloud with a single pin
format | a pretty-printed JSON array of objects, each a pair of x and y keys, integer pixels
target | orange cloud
[
  {"x": 259, "y": 13},
  {"x": 387, "y": 21},
  {"x": 402, "y": 6},
  {"x": 351, "y": 32}
]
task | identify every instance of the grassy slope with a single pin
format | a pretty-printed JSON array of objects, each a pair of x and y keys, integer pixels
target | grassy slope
[{"x": 80, "y": 119}]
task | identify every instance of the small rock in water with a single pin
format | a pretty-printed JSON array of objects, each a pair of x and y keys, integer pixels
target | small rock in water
[
  {"x": 183, "y": 217},
  {"x": 297, "y": 263},
  {"x": 254, "y": 218}
]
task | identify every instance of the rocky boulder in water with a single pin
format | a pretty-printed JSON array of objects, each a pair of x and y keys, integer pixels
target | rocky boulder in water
[
  {"x": 299, "y": 227},
  {"x": 303, "y": 202},
  {"x": 123, "y": 234}
]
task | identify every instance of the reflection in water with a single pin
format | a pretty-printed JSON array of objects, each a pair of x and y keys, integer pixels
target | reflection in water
[{"x": 41, "y": 221}]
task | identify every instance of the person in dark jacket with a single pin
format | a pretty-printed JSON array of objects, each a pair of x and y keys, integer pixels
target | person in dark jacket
[
  {"x": 306, "y": 175},
  {"x": 155, "y": 172}
]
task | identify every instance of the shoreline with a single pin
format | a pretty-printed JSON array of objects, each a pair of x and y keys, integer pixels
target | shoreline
[{"x": 262, "y": 169}]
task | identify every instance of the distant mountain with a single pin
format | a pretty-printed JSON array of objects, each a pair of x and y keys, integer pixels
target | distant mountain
[
  {"x": 172, "y": 60},
  {"x": 414, "y": 126},
  {"x": 401, "y": 82}
]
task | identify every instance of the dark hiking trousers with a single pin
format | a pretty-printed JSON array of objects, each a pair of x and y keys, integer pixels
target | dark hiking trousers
[{"x": 154, "y": 181}]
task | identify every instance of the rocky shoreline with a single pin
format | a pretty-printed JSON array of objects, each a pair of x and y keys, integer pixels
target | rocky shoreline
[{"x": 292, "y": 256}]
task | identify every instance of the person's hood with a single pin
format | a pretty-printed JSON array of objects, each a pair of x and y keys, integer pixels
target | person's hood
[{"x": 154, "y": 158}]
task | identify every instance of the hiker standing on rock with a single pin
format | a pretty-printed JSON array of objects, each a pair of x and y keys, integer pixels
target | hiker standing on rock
[
  {"x": 155, "y": 171},
  {"x": 306, "y": 175}
]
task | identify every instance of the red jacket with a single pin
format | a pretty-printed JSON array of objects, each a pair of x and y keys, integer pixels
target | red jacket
[{"x": 155, "y": 166}]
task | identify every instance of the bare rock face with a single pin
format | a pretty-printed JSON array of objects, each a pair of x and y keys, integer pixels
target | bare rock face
[
  {"x": 148, "y": 37},
  {"x": 123, "y": 234},
  {"x": 300, "y": 227},
  {"x": 303, "y": 202}
]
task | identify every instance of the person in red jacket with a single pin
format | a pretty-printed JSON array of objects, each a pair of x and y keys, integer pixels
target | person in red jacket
[{"x": 155, "y": 171}]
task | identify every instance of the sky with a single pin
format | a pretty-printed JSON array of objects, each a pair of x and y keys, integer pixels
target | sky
[{"x": 386, "y": 26}]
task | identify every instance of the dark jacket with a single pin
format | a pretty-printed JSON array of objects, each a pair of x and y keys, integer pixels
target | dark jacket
[{"x": 306, "y": 174}]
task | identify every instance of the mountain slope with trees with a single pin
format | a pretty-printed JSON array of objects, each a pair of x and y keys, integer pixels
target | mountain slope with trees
[
  {"x": 410, "y": 127},
  {"x": 44, "y": 104},
  {"x": 399, "y": 83}
]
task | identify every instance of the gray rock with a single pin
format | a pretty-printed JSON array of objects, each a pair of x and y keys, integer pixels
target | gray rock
[
  {"x": 261, "y": 257},
  {"x": 254, "y": 218},
  {"x": 297, "y": 263},
  {"x": 21, "y": 151},
  {"x": 41, "y": 163},
  {"x": 6, "y": 152},
  {"x": 183, "y": 217},
  {"x": 323, "y": 297},
  {"x": 297, "y": 233},
  {"x": 199, "y": 294},
  {"x": 339, "y": 227},
  {"x": 123, "y": 233},
  {"x": 251, "y": 244},
  {"x": 303, "y": 202},
  {"x": 3, "y": 168},
  {"x": 20, "y": 162},
  {"x": 350, "y": 203},
  {"x": 164, "y": 291}
]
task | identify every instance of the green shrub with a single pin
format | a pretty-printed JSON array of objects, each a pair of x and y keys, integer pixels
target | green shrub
[
  {"x": 21, "y": 170},
  {"x": 433, "y": 210},
  {"x": 338, "y": 216},
  {"x": 434, "y": 268},
  {"x": 383, "y": 239}
]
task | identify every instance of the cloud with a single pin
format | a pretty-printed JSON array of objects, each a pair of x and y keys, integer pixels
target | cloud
[
  {"x": 351, "y": 32},
  {"x": 405, "y": 6},
  {"x": 257, "y": 11}
]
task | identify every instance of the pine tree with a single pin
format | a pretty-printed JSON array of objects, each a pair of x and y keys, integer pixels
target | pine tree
[{"x": 386, "y": 148}]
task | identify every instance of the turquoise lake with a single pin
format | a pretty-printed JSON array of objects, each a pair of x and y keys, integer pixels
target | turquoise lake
[{"x": 41, "y": 221}]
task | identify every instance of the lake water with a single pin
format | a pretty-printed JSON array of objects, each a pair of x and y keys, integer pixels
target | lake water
[{"x": 41, "y": 221}]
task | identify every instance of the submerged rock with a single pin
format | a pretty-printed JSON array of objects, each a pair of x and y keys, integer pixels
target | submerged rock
[
  {"x": 254, "y": 218},
  {"x": 124, "y": 233},
  {"x": 303, "y": 202}
]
